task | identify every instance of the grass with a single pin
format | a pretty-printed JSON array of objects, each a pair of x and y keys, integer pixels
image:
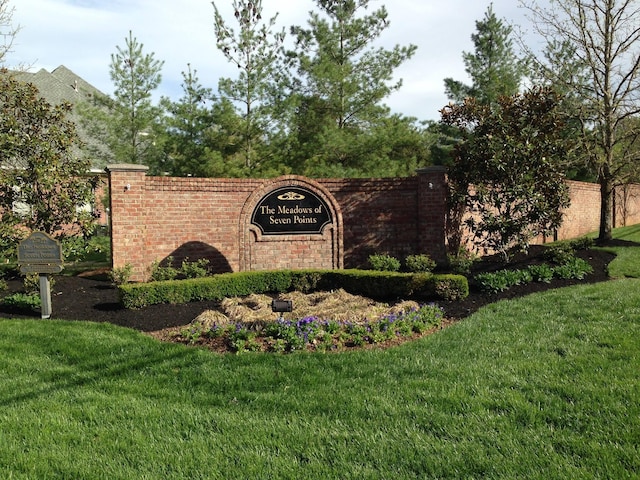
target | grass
[
  {"x": 540, "y": 387},
  {"x": 627, "y": 262}
]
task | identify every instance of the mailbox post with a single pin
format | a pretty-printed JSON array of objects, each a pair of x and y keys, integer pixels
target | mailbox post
[{"x": 40, "y": 253}]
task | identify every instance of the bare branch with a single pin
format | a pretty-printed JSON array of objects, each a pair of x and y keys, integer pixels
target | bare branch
[{"x": 8, "y": 31}]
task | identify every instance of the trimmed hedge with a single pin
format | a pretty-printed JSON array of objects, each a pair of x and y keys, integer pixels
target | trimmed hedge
[{"x": 373, "y": 284}]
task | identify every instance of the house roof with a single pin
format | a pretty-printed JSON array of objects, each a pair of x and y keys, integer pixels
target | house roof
[
  {"x": 64, "y": 85},
  {"x": 60, "y": 85}
]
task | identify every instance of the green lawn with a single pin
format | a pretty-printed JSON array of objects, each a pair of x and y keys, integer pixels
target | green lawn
[
  {"x": 627, "y": 262},
  {"x": 541, "y": 387}
]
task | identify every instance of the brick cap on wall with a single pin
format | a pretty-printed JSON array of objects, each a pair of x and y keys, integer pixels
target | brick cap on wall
[
  {"x": 126, "y": 167},
  {"x": 432, "y": 169}
]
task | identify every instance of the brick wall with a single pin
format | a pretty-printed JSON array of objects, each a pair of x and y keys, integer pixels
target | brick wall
[
  {"x": 396, "y": 216},
  {"x": 154, "y": 218},
  {"x": 583, "y": 215},
  {"x": 626, "y": 205}
]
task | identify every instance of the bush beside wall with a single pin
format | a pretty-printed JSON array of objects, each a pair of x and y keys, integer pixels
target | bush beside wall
[{"x": 377, "y": 285}]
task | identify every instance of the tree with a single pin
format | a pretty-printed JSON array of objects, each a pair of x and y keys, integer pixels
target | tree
[
  {"x": 128, "y": 123},
  {"x": 337, "y": 63},
  {"x": 42, "y": 183},
  {"x": 8, "y": 31},
  {"x": 254, "y": 49},
  {"x": 561, "y": 62},
  {"x": 494, "y": 68},
  {"x": 495, "y": 72},
  {"x": 507, "y": 167},
  {"x": 186, "y": 125},
  {"x": 202, "y": 133},
  {"x": 341, "y": 83},
  {"x": 605, "y": 36}
]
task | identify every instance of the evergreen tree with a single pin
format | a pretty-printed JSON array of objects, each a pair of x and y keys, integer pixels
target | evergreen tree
[
  {"x": 128, "y": 123},
  {"x": 203, "y": 133},
  {"x": 254, "y": 49},
  {"x": 339, "y": 88},
  {"x": 495, "y": 72},
  {"x": 186, "y": 126},
  {"x": 506, "y": 170},
  {"x": 493, "y": 67}
]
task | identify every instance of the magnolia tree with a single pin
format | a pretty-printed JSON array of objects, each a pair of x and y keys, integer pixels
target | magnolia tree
[
  {"x": 42, "y": 183},
  {"x": 506, "y": 169}
]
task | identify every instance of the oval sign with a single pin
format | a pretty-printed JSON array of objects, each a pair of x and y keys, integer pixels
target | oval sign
[{"x": 291, "y": 210}]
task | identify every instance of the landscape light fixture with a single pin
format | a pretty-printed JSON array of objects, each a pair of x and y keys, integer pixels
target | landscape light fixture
[{"x": 281, "y": 306}]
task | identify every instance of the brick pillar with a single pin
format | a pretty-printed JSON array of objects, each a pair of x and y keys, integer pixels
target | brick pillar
[
  {"x": 432, "y": 211},
  {"x": 127, "y": 205}
]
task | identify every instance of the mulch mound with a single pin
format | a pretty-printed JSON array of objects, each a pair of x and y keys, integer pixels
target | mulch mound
[{"x": 91, "y": 296}]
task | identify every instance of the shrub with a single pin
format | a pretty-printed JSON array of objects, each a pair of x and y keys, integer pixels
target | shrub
[
  {"x": 9, "y": 239},
  {"x": 378, "y": 285},
  {"x": 462, "y": 261},
  {"x": 519, "y": 277},
  {"x": 502, "y": 280},
  {"x": 81, "y": 249},
  {"x": 372, "y": 284},
  {"x": 573, "y": 268},
  {"x": 582, "y": 243},
  {"x": 420, "y": 263},
  {"x": 541, "y": 273},
  {"x": 559, "y": 253},
  {"x": 3, "y": 285},
  {"x": 217, "y": 287},
  {"x": 196, "y": 269},
  {"x": 576, "y": 268},
  {"x": 31, "y": 283},
  {"x": 23, "y": 300},
  {"x": 306, "y": 281},
  {"x": 121, "y": 275},
  {"x": 159, "y": 272},
  {"x": 384, "y": 263},
  {"x": 451, "y": 287},
  {"x": 493, "y": 282}
]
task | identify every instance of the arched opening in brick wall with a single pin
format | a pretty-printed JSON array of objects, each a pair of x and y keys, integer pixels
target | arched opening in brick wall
[{"x": 291, "y": 222}]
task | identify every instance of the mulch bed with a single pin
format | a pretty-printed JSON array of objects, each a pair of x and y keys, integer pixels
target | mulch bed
[{"x": 91, "y": 296}]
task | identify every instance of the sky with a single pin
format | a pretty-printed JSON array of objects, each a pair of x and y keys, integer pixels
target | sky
[{"x": 82, "y": 35}]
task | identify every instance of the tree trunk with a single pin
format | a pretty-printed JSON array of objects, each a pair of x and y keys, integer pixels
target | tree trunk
[{"x": 606, "y": 207}]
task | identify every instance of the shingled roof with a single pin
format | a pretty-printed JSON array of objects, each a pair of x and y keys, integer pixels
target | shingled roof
[
  {"x": 60, "y": 85},
  {"x": 63, "y": 85}
]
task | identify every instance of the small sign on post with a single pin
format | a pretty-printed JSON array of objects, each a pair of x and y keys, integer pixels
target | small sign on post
[{"x": 42, "y": 254}]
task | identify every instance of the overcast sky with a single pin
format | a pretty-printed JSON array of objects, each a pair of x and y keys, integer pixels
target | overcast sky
[{"x": 82, "y": 35}]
